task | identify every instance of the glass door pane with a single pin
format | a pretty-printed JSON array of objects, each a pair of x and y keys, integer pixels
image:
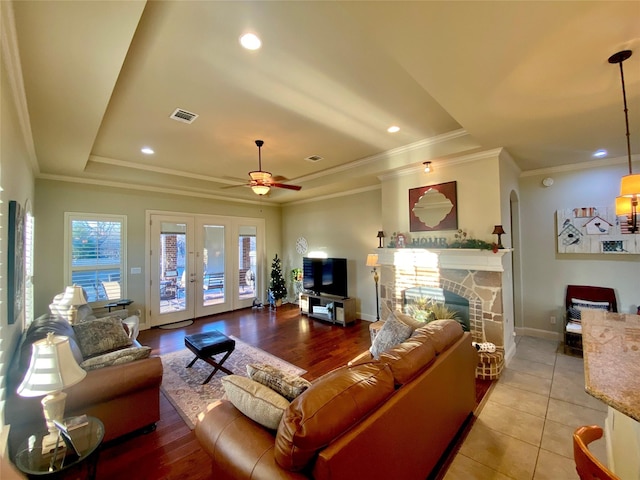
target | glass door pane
[
  {"x": 247, "y": 262},
  {"x": 172, "y": 267},
  {"x": 213, "y": 261},
  {"x": 171, "y": 272}
]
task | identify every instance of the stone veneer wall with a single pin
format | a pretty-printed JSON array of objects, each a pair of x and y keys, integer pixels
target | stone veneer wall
[{"x": 482, "y": 289}]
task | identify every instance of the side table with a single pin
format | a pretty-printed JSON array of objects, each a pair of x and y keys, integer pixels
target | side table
[{"x": 65, "y": 464}]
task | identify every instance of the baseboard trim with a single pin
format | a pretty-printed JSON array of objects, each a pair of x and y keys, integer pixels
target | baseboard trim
[{"x": 535, "y": 332}]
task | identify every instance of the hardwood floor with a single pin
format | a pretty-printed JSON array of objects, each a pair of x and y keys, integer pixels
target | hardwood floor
[{"x": 172, "y": 450}]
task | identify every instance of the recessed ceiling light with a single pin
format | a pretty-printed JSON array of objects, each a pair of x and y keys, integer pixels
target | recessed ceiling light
[
  {"x": 250, "y": 41},
  {"x": 147, "y": 150},
  {"x": 393, "y": 129},
  {"x": 600, "y": 153}
]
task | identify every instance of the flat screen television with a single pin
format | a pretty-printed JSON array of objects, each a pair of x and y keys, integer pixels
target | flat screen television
[{"x": 325, "y": 275}]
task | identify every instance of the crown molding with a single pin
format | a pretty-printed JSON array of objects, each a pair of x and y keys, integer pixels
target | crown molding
[
  {"x": 147, "y": 188},
  {"x": 345, "y": 193},
  {"x": 449, "y": 162},
  {"x": 607, "y": 162},
  {"x": 403, "y": 150},
  {"x": 162, "y": 170},
  {"x": 13, "y": 66}
]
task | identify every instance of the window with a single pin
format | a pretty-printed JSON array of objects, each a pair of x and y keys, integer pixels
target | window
[
  {"x": 95, "y": 253},
  {"x": 29, "y": 226}
]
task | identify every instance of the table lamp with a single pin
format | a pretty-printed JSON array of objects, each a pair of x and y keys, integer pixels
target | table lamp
[
  {"x": 52, "y": 369},
  {"x": 73, "y": 297},
  {"x": 372, "y": 261}
]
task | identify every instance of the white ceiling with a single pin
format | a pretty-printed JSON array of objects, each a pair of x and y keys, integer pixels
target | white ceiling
[{"x": 101, "y": 79}]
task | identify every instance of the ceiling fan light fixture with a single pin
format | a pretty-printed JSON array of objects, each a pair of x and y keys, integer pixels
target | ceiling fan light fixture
[
  {"x": 260, "y": 189},
  {"x": 260, "y": 176}
]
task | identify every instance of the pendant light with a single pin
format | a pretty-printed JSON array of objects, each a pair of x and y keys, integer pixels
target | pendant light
[{"x": 627, "y": 202}]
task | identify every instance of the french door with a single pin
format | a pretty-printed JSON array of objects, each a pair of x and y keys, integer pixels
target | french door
[{"x": 201, "y": 265}]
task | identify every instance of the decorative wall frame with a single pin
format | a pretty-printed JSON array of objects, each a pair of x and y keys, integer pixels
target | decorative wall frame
[
  {"x": 594, "y": 230},
  {"x": 433, "y": 208},
  {"x": 15, "y": 263}
]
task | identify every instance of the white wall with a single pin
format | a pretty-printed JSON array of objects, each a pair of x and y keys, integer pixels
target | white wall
[
  {"x": 546, "y": 273},
  {"x": 478, "y": 198},
  {"x": 16, "y": 180},
  {"x": 54, "y": 198},
  {"x": 342, "y": 227}
]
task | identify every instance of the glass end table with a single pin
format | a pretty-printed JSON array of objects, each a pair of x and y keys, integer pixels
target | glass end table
[{"x": 78, "y": 459}]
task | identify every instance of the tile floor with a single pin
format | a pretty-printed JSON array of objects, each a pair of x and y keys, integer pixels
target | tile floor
[{"x": 524, "y": 430}]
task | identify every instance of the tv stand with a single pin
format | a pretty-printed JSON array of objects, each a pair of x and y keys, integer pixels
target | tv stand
[{"x": 315, "y": 306}]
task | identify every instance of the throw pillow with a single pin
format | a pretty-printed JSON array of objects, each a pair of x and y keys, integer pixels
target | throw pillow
[
  {"x": 391, "y": 334},
  {"x": 259, "y": 403},
  {"x": 287, "y": 385},
  {"x": 578, "y": 303},
  {"x": 118, "y": 357},
  {"x": 101, "y": 335}
]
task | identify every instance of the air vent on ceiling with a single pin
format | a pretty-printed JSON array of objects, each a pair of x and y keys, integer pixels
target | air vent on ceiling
[
  {"x": 183, "y": 116},
  {"x": 314, "y": 158}
]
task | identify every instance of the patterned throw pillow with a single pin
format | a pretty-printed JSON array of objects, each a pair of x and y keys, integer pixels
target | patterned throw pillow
[
  {"x": 118, "y": 357},
  {"x": 578, "y": 303},
  {"x": 391, "y": 334},
  {"x": 101, "y": 335},
  {"x": 259, "y": 403},
  {"x": 287, "y": 385}
]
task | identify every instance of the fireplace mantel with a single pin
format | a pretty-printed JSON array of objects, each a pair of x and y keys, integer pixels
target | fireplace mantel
[{"x": 451, "y": 258}]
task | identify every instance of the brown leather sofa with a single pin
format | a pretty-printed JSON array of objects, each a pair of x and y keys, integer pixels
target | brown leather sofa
[
  {"x": 124, "y": 397},
  {"x": 374, "y": 419}
]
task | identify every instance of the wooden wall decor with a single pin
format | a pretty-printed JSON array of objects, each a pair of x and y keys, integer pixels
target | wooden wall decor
[
  {"x": 594, "y": 230},
  {"x": 433, "y": 207}
]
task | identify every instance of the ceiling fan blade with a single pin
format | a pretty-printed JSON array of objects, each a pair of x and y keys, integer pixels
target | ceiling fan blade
[{"x": 284, "y": 185}]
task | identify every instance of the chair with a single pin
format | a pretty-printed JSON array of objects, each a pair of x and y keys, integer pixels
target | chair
[
  {"x": 112, "y": 291},
  {"x": 588, "y": 466},
  {"x": 573, "y": 330}
]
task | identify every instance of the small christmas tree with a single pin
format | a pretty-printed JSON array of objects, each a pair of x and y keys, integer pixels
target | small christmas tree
[{"x": 277, "y": 287}]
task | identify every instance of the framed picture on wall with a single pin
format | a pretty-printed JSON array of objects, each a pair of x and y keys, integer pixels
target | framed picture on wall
[
  {"x": 433, "y": 207},
  {"x": 15, "y": 263}
]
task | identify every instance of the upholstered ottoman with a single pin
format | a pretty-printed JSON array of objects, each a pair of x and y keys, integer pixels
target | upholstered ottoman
[{"x": 206, "y": 345}]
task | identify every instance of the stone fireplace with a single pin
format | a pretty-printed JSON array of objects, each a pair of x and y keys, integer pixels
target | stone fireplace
[{"x": 474, "y": 275}]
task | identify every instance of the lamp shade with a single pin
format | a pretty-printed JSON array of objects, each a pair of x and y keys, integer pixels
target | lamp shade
[
  {"x": 498, "y": 230},
  {"x": 52, "y": 368},
  {"x": 372, "y": 260},
  {"x": 380, "y": 234},
  {"x": 73, "y": 296},
  {"x": 630, "y": 185},
  {"x": 623, "y": 206}
]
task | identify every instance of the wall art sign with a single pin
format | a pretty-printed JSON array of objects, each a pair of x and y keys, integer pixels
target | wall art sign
[
  {"x": 15, "y": 263},
  {"x": 594, "y": 230},
  {"x": 433, "y": 207}
]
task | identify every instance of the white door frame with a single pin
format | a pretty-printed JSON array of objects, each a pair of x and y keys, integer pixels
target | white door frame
[{"x": 232, "y": 230}]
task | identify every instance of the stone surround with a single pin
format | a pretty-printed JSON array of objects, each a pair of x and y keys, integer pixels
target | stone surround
[{"x": 475, "y": 275}]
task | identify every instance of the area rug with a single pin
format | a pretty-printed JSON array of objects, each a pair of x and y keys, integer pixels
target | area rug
[{"x": 183, "y": 386}]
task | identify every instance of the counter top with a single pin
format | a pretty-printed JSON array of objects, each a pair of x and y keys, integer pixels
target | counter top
[{"x": 611, "y": 349}]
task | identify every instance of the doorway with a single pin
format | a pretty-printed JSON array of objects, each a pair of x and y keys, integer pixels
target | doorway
[{"x": 201, "y": 265}]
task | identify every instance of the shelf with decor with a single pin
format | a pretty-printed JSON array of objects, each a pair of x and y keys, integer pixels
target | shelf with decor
[{"x": 328, "y": 308}]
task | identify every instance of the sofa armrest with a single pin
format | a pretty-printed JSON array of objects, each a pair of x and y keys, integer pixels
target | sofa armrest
[
  {"x": 239, "y": 447},
  {"x": 115, "y": 381}
]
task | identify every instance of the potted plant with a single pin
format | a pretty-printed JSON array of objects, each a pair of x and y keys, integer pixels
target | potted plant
[{"x": 277, "y": 287}]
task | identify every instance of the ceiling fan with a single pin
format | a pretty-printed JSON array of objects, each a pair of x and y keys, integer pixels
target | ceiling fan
[{"x": 261, "y": 181}]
